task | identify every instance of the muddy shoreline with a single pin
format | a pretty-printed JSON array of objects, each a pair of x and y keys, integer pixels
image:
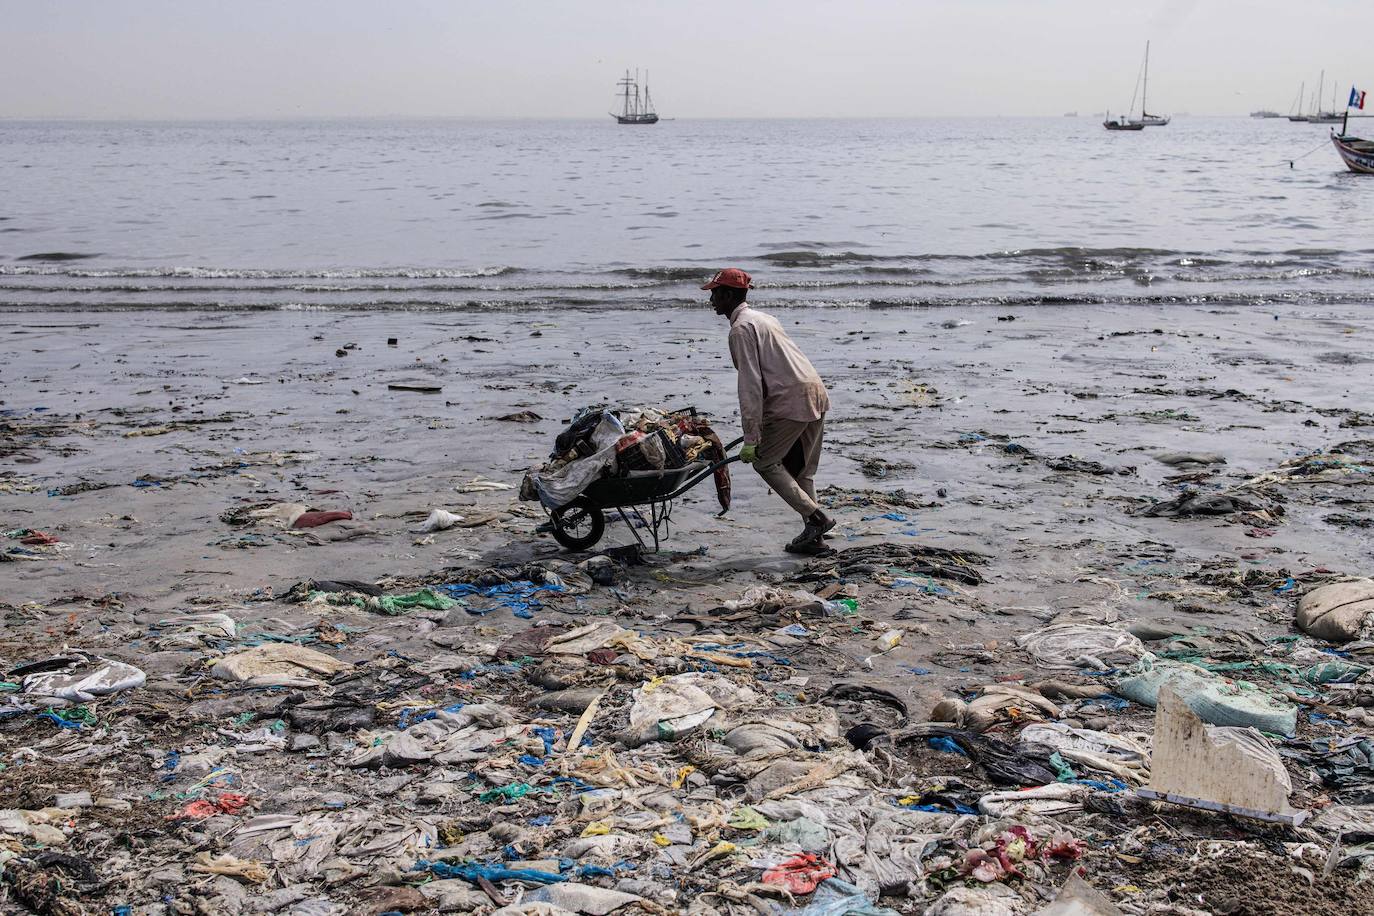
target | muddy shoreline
[{"x": 138, "y": 441}]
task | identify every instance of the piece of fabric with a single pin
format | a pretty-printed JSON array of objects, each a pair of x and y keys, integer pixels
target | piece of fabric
[
  {"x": 316, "y": 519},
  {"x": 396, "y": 605},
  {"x": 840, "y": 898},
  {"x": 788, "y": 458},
  {"x": 84, "y": 679},
  {"x": 776, "y": 380},
  {"x": 715, "y": 452},
  {"x": 277, "y": 665},
  {"x": 1068, "y": 646},
  {"x": 800, "y": 874}
]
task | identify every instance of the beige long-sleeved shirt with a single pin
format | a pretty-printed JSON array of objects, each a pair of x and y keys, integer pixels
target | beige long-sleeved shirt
[{"x": 776, "y": 380}]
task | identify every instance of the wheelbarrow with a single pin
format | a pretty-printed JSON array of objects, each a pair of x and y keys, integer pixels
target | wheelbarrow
[{"x": 581, "y": 523}]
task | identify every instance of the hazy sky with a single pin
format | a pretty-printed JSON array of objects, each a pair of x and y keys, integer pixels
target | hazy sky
[{"x": 708, "y": 58}]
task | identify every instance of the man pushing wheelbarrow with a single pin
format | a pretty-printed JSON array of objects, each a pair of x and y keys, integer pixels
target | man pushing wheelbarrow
[
  {"x": 625, "y": 460},
  {"x": 782, "y": 405}
]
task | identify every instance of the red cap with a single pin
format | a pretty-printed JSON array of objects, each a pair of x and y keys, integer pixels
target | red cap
[{"x": 731, "y": 276}]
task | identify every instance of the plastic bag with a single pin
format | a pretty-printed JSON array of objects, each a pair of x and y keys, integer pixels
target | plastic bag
[{"x": 1215, "y": 699}]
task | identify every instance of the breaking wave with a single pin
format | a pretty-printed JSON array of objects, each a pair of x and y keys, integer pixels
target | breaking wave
[{"x": 798, "y": 274}]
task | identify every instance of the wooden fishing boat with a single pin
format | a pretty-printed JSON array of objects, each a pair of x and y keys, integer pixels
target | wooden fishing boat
[{"x": 1357, "y": 154}]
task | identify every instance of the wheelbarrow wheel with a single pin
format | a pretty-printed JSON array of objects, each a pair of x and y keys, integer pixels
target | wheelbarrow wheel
[{"x": 578, "y": 527}]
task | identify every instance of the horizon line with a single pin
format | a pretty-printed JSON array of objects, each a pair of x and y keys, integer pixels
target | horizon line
[{"x": 571, "y": 118}]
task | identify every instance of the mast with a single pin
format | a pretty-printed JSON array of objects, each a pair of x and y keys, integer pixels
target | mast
[
  {"x": 1297, "y": 104},
  {"x": 635, "y": 108},
  {"x": 1145, "y": 87},
  {"x": 1317, "y": 99}
]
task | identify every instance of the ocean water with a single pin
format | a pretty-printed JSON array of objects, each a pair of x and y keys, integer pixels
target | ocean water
[{"x": 453, "y": 214}]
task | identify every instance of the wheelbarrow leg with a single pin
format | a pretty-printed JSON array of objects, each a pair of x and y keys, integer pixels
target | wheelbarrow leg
[{"x": 628, "y": 524}]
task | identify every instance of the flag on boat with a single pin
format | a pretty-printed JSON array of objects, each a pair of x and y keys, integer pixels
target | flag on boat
[{"x": 1356, "y": 99}]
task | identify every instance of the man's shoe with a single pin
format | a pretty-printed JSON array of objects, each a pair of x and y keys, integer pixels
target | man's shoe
[
  {"x": 809, "y": 548},
  {"x": 817, "y": 524}
]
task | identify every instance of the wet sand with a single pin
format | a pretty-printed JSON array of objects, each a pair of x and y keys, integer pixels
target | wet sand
[
  {"x": 1099, "y": 384},
  {"x": 153, "y": 410}
]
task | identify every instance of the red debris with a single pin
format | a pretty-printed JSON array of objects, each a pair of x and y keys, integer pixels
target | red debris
[
  {"x": 201, "y": 808},
  {"x": 800, "y": 874},
  {"x": 316, "y": 519}
]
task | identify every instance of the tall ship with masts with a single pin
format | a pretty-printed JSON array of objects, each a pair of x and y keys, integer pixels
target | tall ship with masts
[{"x": 635, "y": 109}]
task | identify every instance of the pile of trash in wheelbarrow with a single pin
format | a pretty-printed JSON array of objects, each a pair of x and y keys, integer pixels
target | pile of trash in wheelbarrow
[{"x": 626, "y": 459}]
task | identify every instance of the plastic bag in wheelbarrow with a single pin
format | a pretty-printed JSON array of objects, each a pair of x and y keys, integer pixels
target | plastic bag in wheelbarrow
[{"x": 558, "y": 488}]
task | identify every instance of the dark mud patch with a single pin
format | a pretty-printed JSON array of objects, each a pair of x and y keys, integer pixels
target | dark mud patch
[
  {"x": 1256, "y": 883},
  {"x": 58, "y": 256}
]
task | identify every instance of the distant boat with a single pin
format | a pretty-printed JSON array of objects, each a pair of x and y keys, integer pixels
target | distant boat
[
  {"x": 1070, "y": 114},
  {"x": 1316, "y": 115},
  {"x": 636, "y": 110},
  {"x": 1122, "y": 122},
  {"x": 1126, "y": 122},
  {"x": 1145, "y": 116},
  {"x": 1265, "y": 113},
  {"x": 1295, "y": 110},
  {"x": 1333, "y": 116}
]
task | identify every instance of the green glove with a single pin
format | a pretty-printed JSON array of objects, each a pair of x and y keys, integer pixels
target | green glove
[{"x": 749, "y": 454}]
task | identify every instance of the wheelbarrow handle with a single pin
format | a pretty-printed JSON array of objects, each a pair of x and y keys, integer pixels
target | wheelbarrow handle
[{"x": 729, "y": 459}]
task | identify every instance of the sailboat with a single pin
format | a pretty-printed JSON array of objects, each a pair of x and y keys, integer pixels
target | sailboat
[
  {"x": 1317, "y": 116},
  {"x": 1126, "y": 122},
  {"x": 1122, "y": 122},
  {"x": 1295, "y": 112},
  {"x": 1329, "y": 117},
  {"x": 1145, "y": 116},
  {"x": 635, "y": 110}
]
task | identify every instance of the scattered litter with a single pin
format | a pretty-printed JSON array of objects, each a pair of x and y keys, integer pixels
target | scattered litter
[
  {"x": 278, "y": 665},
  {"x": 438, "y": 520},
  {"x": 1217, "y": 700}
]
